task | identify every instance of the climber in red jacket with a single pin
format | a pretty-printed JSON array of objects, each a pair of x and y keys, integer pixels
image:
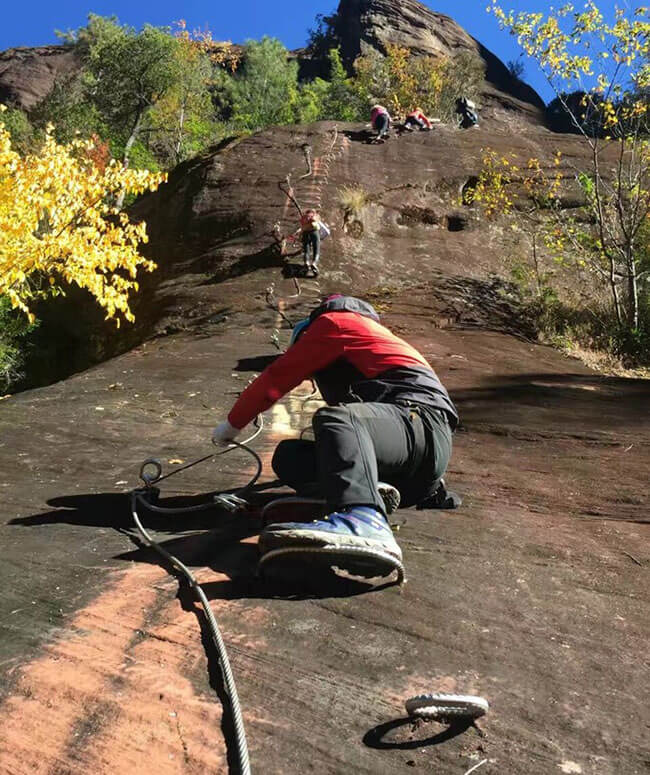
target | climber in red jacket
[
  {"x": 416, "y": 118},
  {"x": 388, "y": 417}
]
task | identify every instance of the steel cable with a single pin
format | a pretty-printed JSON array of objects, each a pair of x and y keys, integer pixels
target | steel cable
[{"x": 138, "y": 498}]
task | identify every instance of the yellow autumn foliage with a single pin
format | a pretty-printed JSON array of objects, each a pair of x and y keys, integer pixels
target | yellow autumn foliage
[
  {"x": 491, "y": 191},
  {"x": 59, "y": 225}
]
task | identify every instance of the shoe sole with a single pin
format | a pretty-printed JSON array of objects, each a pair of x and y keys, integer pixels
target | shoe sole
[
  {"x": 308, "y": 560},
  {"x": 307, "y": 537}
]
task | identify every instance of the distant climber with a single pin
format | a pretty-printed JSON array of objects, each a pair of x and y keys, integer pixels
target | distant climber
[
  {"x": 388, "y": 417},
  {"x": 310, "y": 230},
  {"x": 417, "y": 118},
  {"x": 467, "y": 114},
  {"x": 380, "y": 121}
]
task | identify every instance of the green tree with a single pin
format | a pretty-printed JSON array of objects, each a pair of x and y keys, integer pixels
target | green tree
[
  {"x": 323, "y": 37},
  {"x": 148, "y": 92},
  {"x": 264, "y": 90},
  {"x": 128, "y": 72},
  {"x": 341, "y": 102},
  {"x": 69, "y": 108},
  {"x": 571, "y": 46},
  {"x": 14, "y": 337},
  {"x": 182, "y": 123},
  {"x": 335, "y": 99},
  {"x": 402, "y": 81},
  {"x": 20, "y": 129}
]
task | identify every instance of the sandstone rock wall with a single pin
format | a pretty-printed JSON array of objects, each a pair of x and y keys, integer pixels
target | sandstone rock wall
[
  {"x": 365, "y": 25},
  {"x": 27, "y": 75}
]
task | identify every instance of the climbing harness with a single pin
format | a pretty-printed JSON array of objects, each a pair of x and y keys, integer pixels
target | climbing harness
[{"x": 151, "y": 473}]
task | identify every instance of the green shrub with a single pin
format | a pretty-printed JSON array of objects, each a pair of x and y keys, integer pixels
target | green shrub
[
  {"x": 21, "y": 130},
  {"x": 14, "y": 341},
  {"x": 264, "y": 89}
]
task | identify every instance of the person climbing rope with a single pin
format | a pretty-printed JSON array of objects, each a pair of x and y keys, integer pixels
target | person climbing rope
[
  {"x": 388, "y": 416},
  {"x": 417, "y": 118},
  {"x": 310, "y": 229},
  {"x": 380, "y": 121},
  {"x": 467, "y": 114}
]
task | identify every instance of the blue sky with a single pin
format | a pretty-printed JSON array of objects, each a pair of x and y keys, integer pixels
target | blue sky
[{"x": 33, "y": 23}]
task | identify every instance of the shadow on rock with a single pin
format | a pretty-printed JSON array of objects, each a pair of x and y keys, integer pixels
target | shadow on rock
[
  {"x": 290, "y": 270},
  {"x": 221, "y": 546},
  {"x": 256, "y": 364},
  {"x": 224, "y": 549},
  {"x": 113, "y": 510},
  {"x": 374, "y": 738},
  {"x": 595, "y": 395},
  {"x": 267, "y": 257},
  {"x": 358, "y": 136},
  {"x": 235, "y": 561}
]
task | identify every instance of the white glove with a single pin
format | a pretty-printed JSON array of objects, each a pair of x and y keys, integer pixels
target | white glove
[{"x": 223, "y": 433}]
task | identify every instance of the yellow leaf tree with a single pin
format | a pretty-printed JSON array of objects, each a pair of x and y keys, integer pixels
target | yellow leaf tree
[
  {"x": 404, "y": 81},
  {"x": 59, "y": 225},
  {"x": 599, "y": 69}
]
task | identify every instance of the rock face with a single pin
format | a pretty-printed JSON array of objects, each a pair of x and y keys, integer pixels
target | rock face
[
  {"x": 27, "y": 75},
  {"x": 364, "y": 25},
  {"x": 530, "y": 595},
  {"x": 211, "y": 227}
]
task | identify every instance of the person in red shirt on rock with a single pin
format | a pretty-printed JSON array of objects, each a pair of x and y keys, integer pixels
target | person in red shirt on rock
[
  {"x": 388, "y": 417},
  {"x": 416, "y": 118}
]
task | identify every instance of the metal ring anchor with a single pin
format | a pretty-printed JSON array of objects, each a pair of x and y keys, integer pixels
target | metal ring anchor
[
  {"x": 147, "y": 477},
  {"x": 436, "y": 707}
]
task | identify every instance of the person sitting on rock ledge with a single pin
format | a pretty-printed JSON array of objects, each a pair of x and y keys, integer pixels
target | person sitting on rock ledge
[
  {"x": 388, "y": 416},
  {"x": 380, "y": 121},
  {"x": 417, "y": 118}
]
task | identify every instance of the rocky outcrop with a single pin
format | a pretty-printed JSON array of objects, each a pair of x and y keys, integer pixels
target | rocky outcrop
[
  {"x": 27, "y": 75},
  {"x": 365, "y": 25},
  {"x": 531, "y": 595},
  {"x": 359, "y": 26},
  {"x": 211, "y": 227}
]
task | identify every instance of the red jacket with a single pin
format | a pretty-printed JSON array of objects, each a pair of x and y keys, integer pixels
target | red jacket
[
  {"x": 309, "y": 222},
  {"x": 419, "y": 115},
  {"x": 357, "y": 348}
]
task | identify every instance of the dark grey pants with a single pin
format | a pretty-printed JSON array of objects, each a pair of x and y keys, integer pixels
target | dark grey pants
[
  {"x": 413, "y": 121},
  {"x": 357, "y": 445},
  {"x": 311, "y": 239},
  {"x": 382, "y": 125}
]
